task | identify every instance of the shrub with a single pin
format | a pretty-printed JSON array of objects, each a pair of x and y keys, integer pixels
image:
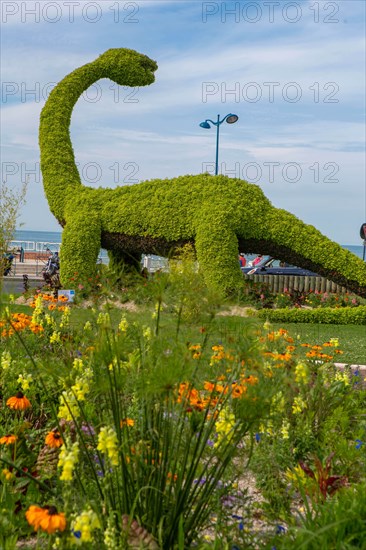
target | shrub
[{"x": 326, "y": 315}]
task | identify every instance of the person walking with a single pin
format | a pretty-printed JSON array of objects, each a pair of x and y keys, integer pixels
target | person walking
[{"x": 242, "y": 260}]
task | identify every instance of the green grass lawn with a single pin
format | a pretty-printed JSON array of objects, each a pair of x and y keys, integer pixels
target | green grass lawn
[{"x": 352, "y": 338}]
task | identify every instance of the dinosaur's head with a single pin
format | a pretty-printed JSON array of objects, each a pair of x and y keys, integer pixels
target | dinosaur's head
[{"x": 127, "y": 67}]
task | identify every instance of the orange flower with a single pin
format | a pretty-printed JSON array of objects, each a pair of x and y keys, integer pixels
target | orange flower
[
  {"x": 46, "y": 518},
  {"x": 251, "y": 379},
  {"x": 171, "y": 476},
  {"x": 8, "y": 439},
  {"x": 217, "y": 348},
  {"x": 237, "y": 390},
  {"x": 51, "y": 307},
  {"x": 209, "y": 386},
  {"x": 53, "y": 439},
  {"x": 195, "y": 347},
  {"x": 127, "y": 422},
  {"x": 18, "y": 402},
  {"x": 34, "y": 515}
]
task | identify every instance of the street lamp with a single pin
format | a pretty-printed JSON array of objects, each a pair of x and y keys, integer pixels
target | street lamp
[{"x": 230, "y": 119}]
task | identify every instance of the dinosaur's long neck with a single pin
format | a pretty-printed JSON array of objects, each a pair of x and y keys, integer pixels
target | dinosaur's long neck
[{"x": 60, "y": 174}]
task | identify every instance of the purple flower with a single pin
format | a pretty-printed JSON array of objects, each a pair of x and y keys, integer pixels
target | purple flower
[
  {"x": 87, "y": 429},
  {"x": 201, "y": 481},
  {"x": 280, "y": 530},
  {"x": 359, "y": 444}
]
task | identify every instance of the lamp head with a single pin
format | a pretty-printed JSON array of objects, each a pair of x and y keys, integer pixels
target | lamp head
[
  {"x": 205, "y": 125},
  {"x": 231, "y": 118}
]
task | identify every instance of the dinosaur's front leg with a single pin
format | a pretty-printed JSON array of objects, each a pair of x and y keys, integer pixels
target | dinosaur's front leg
[
  {"x": 217, "y": 254},
  {"x": 80, "y": 245}
]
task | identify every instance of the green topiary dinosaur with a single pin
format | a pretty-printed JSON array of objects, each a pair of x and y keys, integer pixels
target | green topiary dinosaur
[{"x": 218, "y": 214}]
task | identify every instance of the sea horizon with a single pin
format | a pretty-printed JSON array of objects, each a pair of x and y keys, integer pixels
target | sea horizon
[{"x": 53, "y": 238}]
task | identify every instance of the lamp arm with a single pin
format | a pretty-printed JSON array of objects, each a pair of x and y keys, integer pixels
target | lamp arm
[{"x": 223, "y": 120}]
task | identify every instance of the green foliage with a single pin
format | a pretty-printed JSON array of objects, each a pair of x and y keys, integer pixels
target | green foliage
[
  {"x": 10, "y": 205},
  {"x": 169, "y": 409},
  {"x": 327, "y": 315},
  {"x": 337, "y": 524},
  {"x": 219, "y": 214}
]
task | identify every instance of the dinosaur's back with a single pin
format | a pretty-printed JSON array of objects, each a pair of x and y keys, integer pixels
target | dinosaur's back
[{"x": 172, "y": 208}]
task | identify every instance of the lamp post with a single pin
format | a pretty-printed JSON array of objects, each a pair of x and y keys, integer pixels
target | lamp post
[{"x": 230, "y": 119}]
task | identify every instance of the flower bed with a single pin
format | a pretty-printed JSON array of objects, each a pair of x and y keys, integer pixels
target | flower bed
[{"x": 137, "y": 433}]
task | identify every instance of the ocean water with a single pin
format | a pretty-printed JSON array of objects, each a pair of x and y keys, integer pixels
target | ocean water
[{"x": 40, "y": 240}]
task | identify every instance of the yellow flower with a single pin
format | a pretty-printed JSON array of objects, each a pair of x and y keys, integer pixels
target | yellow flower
[
  {"x": 104, "y": 320},
  {"x": 224, "y": 426},
  {"x": 87, "y": 326},
  {"x": 24, "y": 381},
  {"x": 67, "y": 460},
  {"x": 296, "y": 476},
  {"x": 301, "y": 373},
  {"x": 69, "y": 408},
  {"x": 55, "y": 337},
  {"x": 5, "y": 360},
  {"x": 7, "y": 474},
  {"x": 284, "y": 429},
  {"x": 108, "y": 444},
  {"x": 334, "y": 342},
  {"x": 80, "y": 389},
  {"x": 123, "y": 326},
  {"x": 342, "y": 377},
  {"x": 85, "y": 524},
  {"x": 298, "y": 405},
  {"x": 78, "y": 364}
]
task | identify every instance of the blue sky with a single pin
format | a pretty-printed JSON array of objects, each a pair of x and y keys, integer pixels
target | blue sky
[{"x": 292, "y": 71}]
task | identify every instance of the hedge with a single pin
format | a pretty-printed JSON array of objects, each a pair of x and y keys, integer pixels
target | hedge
[
  {"x": 220, "y": 215},
  {"x": 324, "y": 315}
]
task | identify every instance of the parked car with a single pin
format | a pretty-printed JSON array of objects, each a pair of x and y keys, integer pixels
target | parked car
[{"x": 271, "y": 266}]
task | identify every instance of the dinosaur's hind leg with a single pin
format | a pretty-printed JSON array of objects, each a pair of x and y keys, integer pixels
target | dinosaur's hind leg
[{"x": 80, "y": 247}]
